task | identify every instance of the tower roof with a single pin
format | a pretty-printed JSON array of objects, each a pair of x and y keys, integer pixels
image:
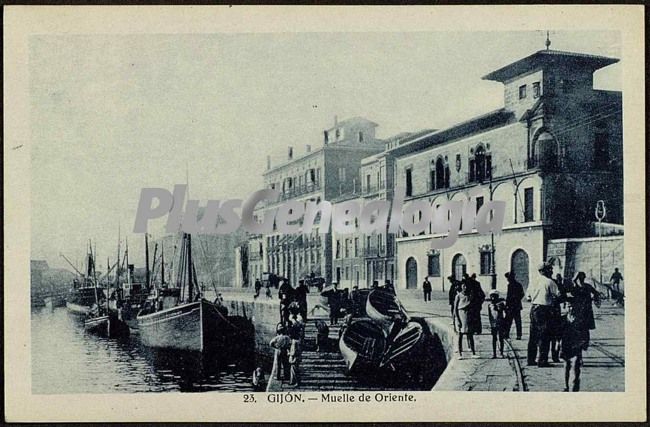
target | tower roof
[{"x": 549, "y": 57}]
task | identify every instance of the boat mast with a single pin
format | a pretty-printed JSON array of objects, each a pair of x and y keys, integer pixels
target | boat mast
[
  {"x": 162, "y": 265},
  {"x": 146, "y": 256},
  {"x": 91, "y": 270},
  {"x": 189, "y": 268},
  {"x": 117, "y": 272}
]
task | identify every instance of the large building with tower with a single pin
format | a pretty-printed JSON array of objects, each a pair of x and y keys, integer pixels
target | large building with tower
[{"x": 551, "y": 152}]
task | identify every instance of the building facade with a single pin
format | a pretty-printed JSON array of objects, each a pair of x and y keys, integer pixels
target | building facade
[
  {"x": 550, "y": 154},
  {"x": 326, "y": 173}
]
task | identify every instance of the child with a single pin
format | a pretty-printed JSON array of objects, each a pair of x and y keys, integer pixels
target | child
[
  {"x": 462, "y": 304},
  {"x": 497, "y": 315},
  {"x": 575, "y": 339},
  {"x": 322, "y": 336},
  {"x": 259, "y": 382}
]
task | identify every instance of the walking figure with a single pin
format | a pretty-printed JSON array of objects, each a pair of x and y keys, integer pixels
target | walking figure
[
  {"x": 426, "y": 288},
  {"x": 497, "y": 316},
  {"x": 514, "y": 295},
  {"x": 543, "y": 293}
]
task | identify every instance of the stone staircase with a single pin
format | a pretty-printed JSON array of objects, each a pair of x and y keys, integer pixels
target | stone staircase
[{"x": 324, "y": 370}]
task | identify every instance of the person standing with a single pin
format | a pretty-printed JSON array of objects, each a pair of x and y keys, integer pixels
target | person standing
[
  {"x": 300, "y": 294},
  {"x": 615, "y": 280},
  {"x": 583, "y": 296},
  {"x": 478, "y": 298},
  {"x": 333, "y": 300},
  {"x": 296, "y": 333},
  {"x": 453, "y": 291},
  {"x": 426, "y": 288},
  {"x": 285, "y": 294},
  {"x": 258, "y": 287},
  {"x": 462, "y": 306},
  {"x": 497, "y": 316},
  {"x": 281, "y": 342},
  {"x": 575, "y": 339},
  {"x": 542, "y": 292},
  {"x": 514, "y": 295}
]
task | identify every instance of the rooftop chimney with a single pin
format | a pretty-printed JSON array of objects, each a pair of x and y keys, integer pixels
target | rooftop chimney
[
  {"x": 290, "y": 153},
  {"x": 308, "y": 148},
  {"x": 268, "y": 162}
]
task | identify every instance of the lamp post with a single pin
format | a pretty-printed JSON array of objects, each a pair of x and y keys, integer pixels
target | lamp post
[
  {"x": 601, "y": 212},
  {"x": 492, "y": 248}
]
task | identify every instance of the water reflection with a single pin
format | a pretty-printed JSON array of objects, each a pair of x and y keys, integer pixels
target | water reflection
[{"x": 65, "y": 359}]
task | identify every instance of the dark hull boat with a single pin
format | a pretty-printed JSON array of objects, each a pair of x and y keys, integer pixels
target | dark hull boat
[
  {"x": 383, "y": 307},
  {"x": 406, "y": 340},
  {"x": 109, "y": 326},
  {"x": 194, "y": 326},
  {"x": 362, "y": 345}
]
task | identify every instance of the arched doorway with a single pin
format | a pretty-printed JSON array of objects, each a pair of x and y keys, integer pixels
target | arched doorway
[
  {"x": 411, "y": 273},
  {"x": 520, "y": 266},
  {"x": 459, "y": 266}
]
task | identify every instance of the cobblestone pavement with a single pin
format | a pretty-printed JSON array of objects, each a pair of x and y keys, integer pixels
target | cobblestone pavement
[{"x": 604, "y": 362}]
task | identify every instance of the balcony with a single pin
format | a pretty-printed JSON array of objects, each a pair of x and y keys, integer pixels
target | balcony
[{"x": 299, "y": 191}]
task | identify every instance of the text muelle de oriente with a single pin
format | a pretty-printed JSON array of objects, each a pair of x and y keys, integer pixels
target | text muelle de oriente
[{"x": 413, "y": 217}]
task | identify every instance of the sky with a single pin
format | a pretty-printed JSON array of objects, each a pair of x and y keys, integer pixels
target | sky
[{"x": 111, "y": 114}]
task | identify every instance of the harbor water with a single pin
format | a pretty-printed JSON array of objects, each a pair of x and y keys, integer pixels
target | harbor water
[{"x": 66, "y": 360}]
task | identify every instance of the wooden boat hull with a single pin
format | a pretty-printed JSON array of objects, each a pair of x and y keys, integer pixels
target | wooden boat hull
[
  {"x": 193, "y": 326},
  {"x": 382, "y": 306},
  {"x": 77, "y": 309},
  {"x": 404, "y": 343},
  {"x": 362, "y": 344}
]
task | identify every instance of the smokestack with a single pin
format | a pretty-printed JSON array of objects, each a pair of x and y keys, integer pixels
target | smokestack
[
  {"x": 326, "y": 135},
  {"x": 290, "y": 153},
  {"x": 268, "y": 162},
  {"x": 308, "y": 148}
]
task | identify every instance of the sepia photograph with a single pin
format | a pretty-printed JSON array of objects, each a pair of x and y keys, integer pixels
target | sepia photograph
[{"x": 344, "y": 217}]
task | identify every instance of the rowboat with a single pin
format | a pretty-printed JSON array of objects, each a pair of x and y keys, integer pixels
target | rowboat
[
  {"x": 383, "y": 307},
  {"x": 362, "y": 344},
  {"x": 405, "y": 341}
]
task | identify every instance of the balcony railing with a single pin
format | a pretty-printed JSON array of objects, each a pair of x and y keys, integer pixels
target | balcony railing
[
  {"x": 373, "y": 188},
  {"x": 299, "y": 190}
]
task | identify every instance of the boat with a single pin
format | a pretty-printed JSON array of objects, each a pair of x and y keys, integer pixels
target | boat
[
  {"x": 362, "y": 344},
  {"x": 180, "y": 318},
  {"x": 84, "y": 293},
  {"x": 383, "y": 307},
  {"x": 406, "y": 339}
]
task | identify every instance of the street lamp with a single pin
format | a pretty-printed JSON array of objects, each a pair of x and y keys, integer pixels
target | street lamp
[{"x": 601, "y": 212}]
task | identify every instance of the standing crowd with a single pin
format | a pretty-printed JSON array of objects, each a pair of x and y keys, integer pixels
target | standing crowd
[{"x": 561, "y": 317}]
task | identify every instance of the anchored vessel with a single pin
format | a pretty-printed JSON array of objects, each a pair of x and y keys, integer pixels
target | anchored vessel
[{"x": 179, "y": 318}]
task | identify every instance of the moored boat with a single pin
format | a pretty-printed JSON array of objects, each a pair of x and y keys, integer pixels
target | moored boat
[
  {"x": 383, "y": 307},
  {"x": 108, "y": 325},
  {"x": 406, "y": 339},
  {"x": 362, "y": 344},
  {"x": 179, "y": 318}
]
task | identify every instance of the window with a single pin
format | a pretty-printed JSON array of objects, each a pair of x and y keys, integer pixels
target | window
[
  {"x": 356, "y": 246},
  {"x": 480, "y": 167},
  {"x": 360, "y": 136},
  {"x": 341, "y": 174},
  {"x": 434, "y": 265},
  {"x": 347, "y": 273},
  {"x": 338, "y": 274},
  {"x": 479, "y": 203},
  {"x": 601, "y": 149},
  {"x": 338, "y": 249},
  {"x": 440, "y": 173},
  {"x": 528, "y": 205},
  {"x": 479, "y": 159},
  {"x": 380, "y": 242},
  {"x": 409, "y": 182},
  {"x": 347, "y": 249},
  {"x": 486, "y": 262},
  {"x": 367, "y": 182},
  {"x": 337, "y": 133},
  {"x": 432, "y": 176},
  {"x": 522, "y": 91},
  {"x": 536, "y": 90},
  {"x": 368, "y": 245}
]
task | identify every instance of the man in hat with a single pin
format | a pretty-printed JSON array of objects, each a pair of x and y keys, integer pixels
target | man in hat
[{"x": 542, "y": 292}]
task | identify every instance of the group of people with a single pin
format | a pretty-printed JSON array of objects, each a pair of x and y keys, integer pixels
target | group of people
[
  {"x": 289, "y": 339},
  {"x": 561, "y": 317}
]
